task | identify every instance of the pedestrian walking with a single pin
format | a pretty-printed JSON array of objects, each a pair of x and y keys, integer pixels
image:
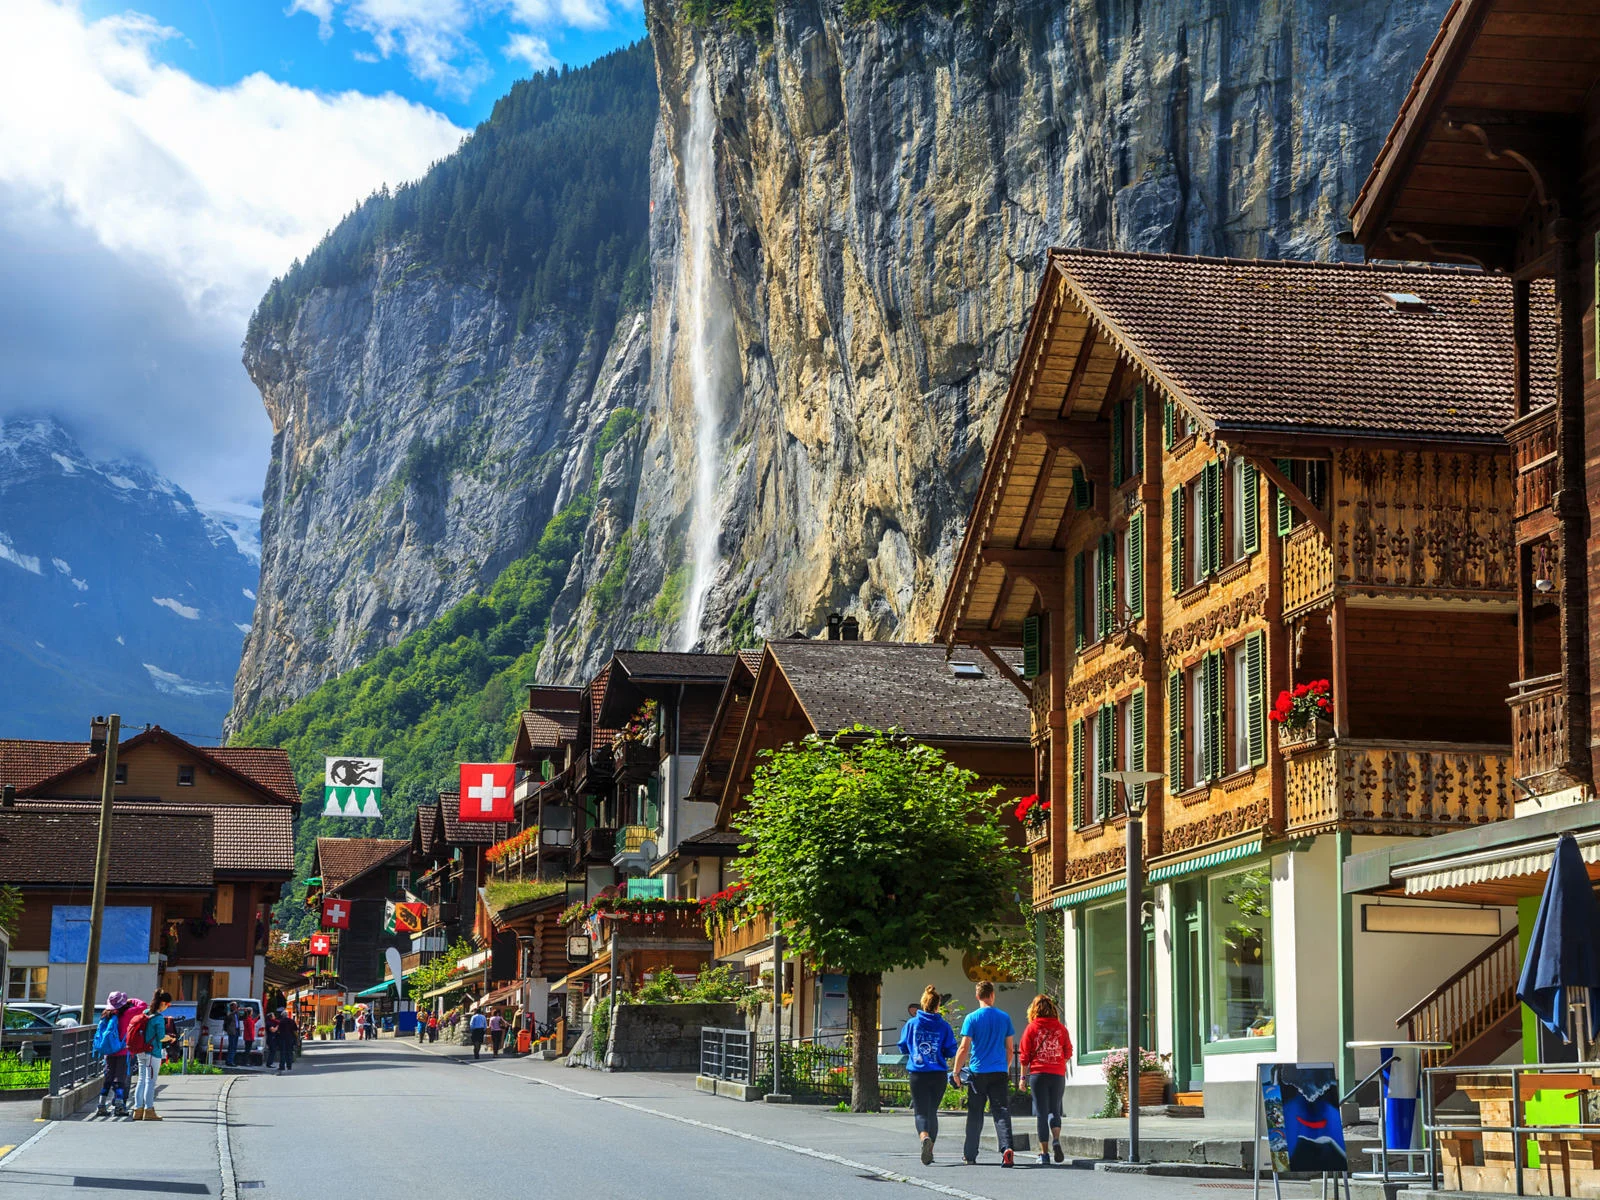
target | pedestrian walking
[
  {"x": 433, "y": 1028},
  {"x": 983, "y": 1061},
  {"x": 476, "y": 1028},
  {"x": 147, "y": 1041},
  {"x": 422, "y": 1028},
  {"x": 250, "y": 1026},
  {"x": 927, "y": 1041},
  {"x": 269, "y": 1037},
  {"x": 231, "y": 1028},
  {"x": 111, "y": 1040},
  {"x": 286, "y": 1039},
  {"x": 1044, "y": 1052},
  {"x": 497, "y": 1032}
]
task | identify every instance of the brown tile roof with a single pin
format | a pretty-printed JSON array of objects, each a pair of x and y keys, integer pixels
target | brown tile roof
[
  {"x": 267, "y": 765},
  {"x": 253, "y": 838},
  {"x": 1314, "y": 346},
  {"x": 549, "y": 730},
  {"x": 903, "y": 686},
  {"x": 26, "y": 763},
  {"x": 343, "y": 860},
  {"x": 43, "y": 844},
  {"x": 29, "y": 764},
  {"x": 667, "y": 664},
  {"x": 427, "y": 817},
  {"x": 468, "y": 833}
]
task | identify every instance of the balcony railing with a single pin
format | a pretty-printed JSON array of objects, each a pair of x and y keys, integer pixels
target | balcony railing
[
  {"x": 1533, "y": 457},
  {"x": 599, "y": 843},
  {"x": 1041, "y": 873},
  {"x": 739, "y": 940},
  {"x": 631, "y": 839},
  {"x": 1398, "y": 787},
  {"x": 1307, "y": 570},
  {"x": 678, "y": 926},
  {"x": 1538, "y": 726}
]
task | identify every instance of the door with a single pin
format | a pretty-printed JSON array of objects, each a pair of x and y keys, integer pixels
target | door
[{"x": 1188, "y": 988}]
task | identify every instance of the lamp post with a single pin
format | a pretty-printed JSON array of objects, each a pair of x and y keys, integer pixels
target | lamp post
[{"x": 1134, "y": 784}]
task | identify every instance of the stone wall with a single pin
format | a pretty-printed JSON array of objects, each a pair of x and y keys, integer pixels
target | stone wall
[{"x": 665, "y": 1037}]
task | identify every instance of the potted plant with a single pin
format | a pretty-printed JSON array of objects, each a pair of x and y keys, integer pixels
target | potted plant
[
  {"x": 1034, "y": 813},
  {"x": 1152, "y": 1077},
  {"x": 1304, "y": 715}
]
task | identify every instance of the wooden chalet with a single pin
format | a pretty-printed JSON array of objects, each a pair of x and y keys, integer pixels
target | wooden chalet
[
  {"x": 1212, "y": 481},
  {"x": 172, "y": 797},
  {"x": 367, "y": 875}
]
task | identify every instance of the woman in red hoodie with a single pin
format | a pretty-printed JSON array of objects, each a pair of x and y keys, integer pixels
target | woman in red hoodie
[{"x": 1044, "y": 1053}]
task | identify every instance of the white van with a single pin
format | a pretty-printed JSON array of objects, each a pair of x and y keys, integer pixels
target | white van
[{"x": 214, "y": 1036}]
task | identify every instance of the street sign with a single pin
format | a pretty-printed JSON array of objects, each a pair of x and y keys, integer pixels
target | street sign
[
  {"x": 335, "y": 913},
  {"x": 486, "y": 791},
  {"x": 352, "y": 787}
]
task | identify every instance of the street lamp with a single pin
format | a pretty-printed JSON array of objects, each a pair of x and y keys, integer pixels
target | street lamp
[{"x": 1134, "y": 785}]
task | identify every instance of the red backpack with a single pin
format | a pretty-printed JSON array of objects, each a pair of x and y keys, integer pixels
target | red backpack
[{"x": 137, "y": 1041}]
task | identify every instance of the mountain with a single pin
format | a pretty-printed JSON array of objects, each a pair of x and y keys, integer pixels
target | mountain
[{"x": 117, "y": 593}]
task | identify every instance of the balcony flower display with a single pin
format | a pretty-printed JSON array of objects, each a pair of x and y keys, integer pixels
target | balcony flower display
[
  {"x": 1034, "y": 813},
  {"x": 1304, "y": 714},
  {"x": 641, "y": 727},
  {"x": 727, "y": 909},
  {"x": 512, "y": 845}
]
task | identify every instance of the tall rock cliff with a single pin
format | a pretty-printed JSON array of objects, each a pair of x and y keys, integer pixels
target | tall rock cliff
[
  {"x": 847, "y": 222},
  {"x": 884, "y": 192}
]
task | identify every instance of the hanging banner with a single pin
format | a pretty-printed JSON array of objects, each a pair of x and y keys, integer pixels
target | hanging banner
[
  {"x": 352, "y": 787},
  {"x": 403, "y": 918},
  {"x": 486, "y": 791},
  {"x": 321, "y": 945},
  {"x": 335, "y": 913}
]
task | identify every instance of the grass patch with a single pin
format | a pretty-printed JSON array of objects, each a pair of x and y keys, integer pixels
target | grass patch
[
  {"x": 17, "y": 1076},
  {"x": 507, "y": 893},
  {"x": 172, "y": 1066}
]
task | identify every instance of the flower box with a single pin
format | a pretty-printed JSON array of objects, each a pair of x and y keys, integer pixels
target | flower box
[
  {"x": 1313, "y": 734},
  {"x": 1152, "y": 1090}
]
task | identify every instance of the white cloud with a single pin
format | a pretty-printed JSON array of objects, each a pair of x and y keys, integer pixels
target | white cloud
[
  {"x": 61, "y": 565},
  {"x": 534, "y": 51},
  {"x": 183, "y": 610},
  {"x": 322, "y": 10}
]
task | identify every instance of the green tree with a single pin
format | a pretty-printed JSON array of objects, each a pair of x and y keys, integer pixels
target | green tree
[{"x": 876, "y": 854}]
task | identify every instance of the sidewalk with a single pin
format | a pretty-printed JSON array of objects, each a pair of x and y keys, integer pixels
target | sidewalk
[{"x": 89, "y": 1153}]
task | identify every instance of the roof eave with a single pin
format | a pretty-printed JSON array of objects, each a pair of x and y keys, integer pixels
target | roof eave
[{"x": 1241, "y": 433}]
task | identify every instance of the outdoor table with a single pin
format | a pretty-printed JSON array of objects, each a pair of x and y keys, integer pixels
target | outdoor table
[
  {"x": 1397, "y": 1114},
  {"x": 1566, "y": 1159}
]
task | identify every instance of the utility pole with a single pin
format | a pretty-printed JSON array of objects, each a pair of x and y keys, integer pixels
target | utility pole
[{"x": 100, "y": 729}]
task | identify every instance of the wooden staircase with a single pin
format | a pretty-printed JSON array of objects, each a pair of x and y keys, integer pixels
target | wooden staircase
[{"x": 1475, "y": 1010}]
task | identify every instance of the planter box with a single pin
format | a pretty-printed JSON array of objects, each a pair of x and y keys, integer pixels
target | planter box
[
  {"x": 1312, "y": 736},
  {"x": 1152, "y": 1090}
]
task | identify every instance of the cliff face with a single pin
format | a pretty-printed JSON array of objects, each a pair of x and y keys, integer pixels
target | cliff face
[{"x": 884, "y": 193}]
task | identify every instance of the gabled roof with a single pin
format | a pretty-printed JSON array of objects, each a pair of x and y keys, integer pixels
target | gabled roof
[
  {"x": 422, "y": 831},
  {"x": 722, "y": 740},
  {"x": 42, "y": 845},
  {"x": 468, "y": 833},
  {"x": 542, "y": 730},
  {"x": 639, "y": 675},
  {"x": 252, "y": 839},
  {"x": 342, "y": 861}
]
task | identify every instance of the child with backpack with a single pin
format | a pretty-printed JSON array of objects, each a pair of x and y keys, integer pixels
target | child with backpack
[
  {"x": 147, "y": 1036},
  {"x": 111, "y": 1040}
]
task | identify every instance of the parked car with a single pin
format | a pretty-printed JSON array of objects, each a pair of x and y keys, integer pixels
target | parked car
[
  {"x": 213, "y": 1038},
  {"x": 25, "y": 1028}
]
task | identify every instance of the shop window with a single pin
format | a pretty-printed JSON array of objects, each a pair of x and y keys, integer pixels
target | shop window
[
  {"x": 1239, "y": 936},
  {"x": 27, "y": 983},
  {"x": 1104, "y": 986}
]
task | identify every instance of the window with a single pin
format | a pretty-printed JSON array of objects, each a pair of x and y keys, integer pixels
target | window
[
  {"x": 122, "y": 773},
  {"x": 1104, "y": 1022},
  {"x": 1239, "y": 929},
  {"x": 1194, "y": 534},
  {"x": 1244, "y": 510},
  {"x": 1238, "y": 710},
  {"x": 1091, "y": 733},
  {"x": 1133, "y": 567},
  {"x": 1311, "y": 477},
  {"x": 1132, "y": 757},
  {"x": 1127, "y": 437},
  {"x": 186, "y": 776},
  {"x": 1094, "y": 590},
  {"x": 26, "y": 983},
  {"x": 1093, "y": 753},
  {"x": 1199, "y": 728}
]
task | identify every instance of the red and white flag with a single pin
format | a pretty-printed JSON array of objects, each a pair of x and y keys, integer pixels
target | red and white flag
[
  {"x": 486, "y": 791},
  {"x": 335, "y": 913},
  {"x": 321, "y": 945}
]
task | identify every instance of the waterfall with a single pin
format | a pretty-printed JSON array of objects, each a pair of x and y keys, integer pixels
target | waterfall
[{"x": 704, "y": 318}]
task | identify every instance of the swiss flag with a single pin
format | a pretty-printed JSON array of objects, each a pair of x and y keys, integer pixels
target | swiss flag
[
  {"x": 321, "y": 944},
  {"x": 486, "y": 791},
  {"x": 335, "y": 913}
]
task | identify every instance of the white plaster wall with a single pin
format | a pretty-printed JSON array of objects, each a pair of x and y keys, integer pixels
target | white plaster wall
[
  {"x": 65, "y": 984},
  {"x": 1314, "y": 968},
  {"x": 1165, "y": 1019}
]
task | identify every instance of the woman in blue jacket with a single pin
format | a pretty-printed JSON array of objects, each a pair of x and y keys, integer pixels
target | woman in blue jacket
[{"x": 927, "y": 1041}]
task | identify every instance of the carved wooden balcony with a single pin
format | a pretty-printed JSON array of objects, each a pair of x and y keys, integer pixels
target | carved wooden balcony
[
  {"x": 1398, "y": 787},
  {"x": 1533, "y": 458},
  {"x": 1307, "y": 570},
  {"x": 1041, "y": 872},
  {"x": 1538, "y": 727}
]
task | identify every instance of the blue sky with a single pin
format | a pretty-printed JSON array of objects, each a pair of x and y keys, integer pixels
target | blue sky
[{"x": 161, "y": 161}]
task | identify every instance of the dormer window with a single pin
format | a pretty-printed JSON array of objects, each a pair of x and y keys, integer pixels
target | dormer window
[
  {"x": 186, "y": 776},
  {"x": 122, "y": 772}
]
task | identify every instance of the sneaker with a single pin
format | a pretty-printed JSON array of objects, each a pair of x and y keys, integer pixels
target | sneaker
[
  {"x": 1007, "y": 1159},
  {"x": 120, "y": 1110},
  {"x": 927, "y": 1151},
  {"x": 1044, "y": 1158},
  {"x": 1056, "y": 1147},
  {"x": 102, "y": 1111},
  {"x": 971, "y": 1162}
]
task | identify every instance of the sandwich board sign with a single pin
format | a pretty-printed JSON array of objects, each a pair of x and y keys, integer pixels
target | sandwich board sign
[{"x": 352, "y": 787}]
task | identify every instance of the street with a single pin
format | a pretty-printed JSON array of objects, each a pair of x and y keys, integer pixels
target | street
[{"x": 389, "y": 1119}]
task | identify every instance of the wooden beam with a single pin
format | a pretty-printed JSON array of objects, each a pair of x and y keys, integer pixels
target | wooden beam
[
  {"x": 1295, "y": 496},
  {"x": 1001, "y": 665},
  {"x": 1007, "y": 586},
  {"x": 1023, "y": 560},
  {"x": 1079, "y": 367},
  {"x": 1113, "y": 386},
  {"x": 1036, "y": 501}
]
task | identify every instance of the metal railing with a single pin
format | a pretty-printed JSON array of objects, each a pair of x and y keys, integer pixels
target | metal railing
[
  {"x": 72, "y": 1057},
  {"x": 727, "y": 1054}
]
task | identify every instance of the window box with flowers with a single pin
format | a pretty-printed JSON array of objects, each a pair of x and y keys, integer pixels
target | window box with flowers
[
  {"x": 1034, "y": 813},
  {"x": 1304, "y": 716}
]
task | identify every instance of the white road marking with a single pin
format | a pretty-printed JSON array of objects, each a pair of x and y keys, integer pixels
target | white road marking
[
  {"x": 230, "y": 1189},
  {"x": 791, "y": 1147},
  {"x": 12, "y": 1157}
]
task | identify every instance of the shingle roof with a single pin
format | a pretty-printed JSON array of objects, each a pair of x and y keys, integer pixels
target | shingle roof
[
  {"x": 1315, "y": 345},
  {"x": 714, "y": 840},
  {"x": 42, "y": 844},
  {"x": 427, "y": 815},
  {"x": 598, "y": 736},
  {"x": 751, "y": 659},
  {"x": 906, "y": 687},
  {"x": 548, "y": 730},
  {"x": 343, "y": 860},
  {"x": 468, "y": 833},
  {"x": 27, "y": 764},
  {"x": 665, "y": 664},
  {"x": 267, "y": 765},
  {"x": 255, "y": 838}
]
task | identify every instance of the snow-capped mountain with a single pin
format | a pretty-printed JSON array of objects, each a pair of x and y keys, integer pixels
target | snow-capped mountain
[{"x": 117, "y": 592}]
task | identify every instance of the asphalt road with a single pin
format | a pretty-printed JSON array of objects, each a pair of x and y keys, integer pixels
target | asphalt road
[{"x": 389, "y": 1121}]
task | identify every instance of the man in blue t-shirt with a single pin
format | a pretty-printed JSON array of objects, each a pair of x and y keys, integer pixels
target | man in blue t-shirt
[{"x": 988, "y": 1046}]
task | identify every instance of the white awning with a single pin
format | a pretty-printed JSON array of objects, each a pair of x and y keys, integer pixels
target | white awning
[{"x": 1528, "y": 858}]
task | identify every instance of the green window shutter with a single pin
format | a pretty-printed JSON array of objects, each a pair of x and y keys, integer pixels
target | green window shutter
[
  {"x": 1030, "y": 646},
  {"x": 1136, "y": 732},
  {"x": 1175, "y": 732},
  {"x": 1176, "y": 513},
  {"x": 1255, "y": 670},
  {"x": 1116, "y": 444},
  {"x": 1217, "y": 515},
  {"x": 1080, "y": 623},
  {"x": 1285, "y": 514},
  {"x": 1137, "y": 432},
  {"x": 1202, "y": 526},
  {"x": 1216, "y": 706},
  {"x": 1078, "y": 780},
  {"x": 1104, "y": 788},
  {"x": 1108, "y": 584},
  {"x": 1169, "y": 424},
  {"x": 1251, "y": 514},
  {"x": 1136, "y": 565},
  {"x": 1082, "y": 490}
]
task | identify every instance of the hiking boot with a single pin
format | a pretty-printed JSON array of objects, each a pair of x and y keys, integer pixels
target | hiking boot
[
  {"x": 138, "y": 1114},
  {"x": 151, "y": 1114},
  {"x": 1056, "y": 1148},
  {"x": 927, "y": 1152},
  {"x": 1007, "y": 1158}
]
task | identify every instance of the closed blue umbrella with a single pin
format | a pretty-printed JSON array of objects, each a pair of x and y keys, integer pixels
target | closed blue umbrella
[{"x": 1562, "y": 950}]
